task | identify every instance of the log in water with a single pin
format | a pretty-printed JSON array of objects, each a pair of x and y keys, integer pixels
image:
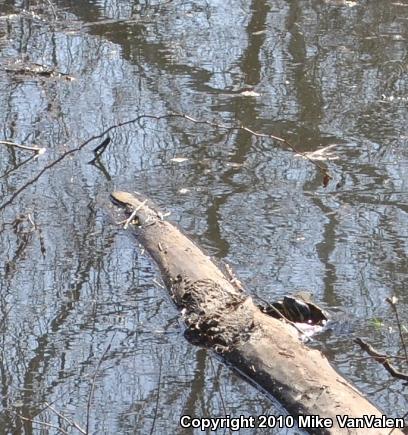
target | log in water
[{"x": 268, "y": 352}]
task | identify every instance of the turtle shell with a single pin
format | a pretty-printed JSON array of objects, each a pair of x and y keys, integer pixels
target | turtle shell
[{"x": 297, "y": 309}]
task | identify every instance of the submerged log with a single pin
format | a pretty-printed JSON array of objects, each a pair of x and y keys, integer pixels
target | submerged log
[{"x": 222, "y": 317}]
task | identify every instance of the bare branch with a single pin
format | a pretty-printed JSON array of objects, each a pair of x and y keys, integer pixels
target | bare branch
[
  {"x": 43, "y": 423},
  {"x": 224, "y": 408},
  {"x": 15, "y": 168},
  {"x": 382, "y": 359},
  {"x": 157, "y": 395},
  {"x": 127, "y": 221},
  {"x": 35, "y": 149},
  {"x": 257, "y": 134},
  {"x": 326, "y": 175},
  {"x": 393, "y": 302},
  {"x": 92, "y": 390},
  {"x": 65, "y": 418},
  {"x": 50, "y": 4},
  {"x": 403, "y": 417}
]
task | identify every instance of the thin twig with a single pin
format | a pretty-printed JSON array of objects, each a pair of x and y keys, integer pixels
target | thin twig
[
  {"x": 403, "y": 417},
  {"x": 64, "y": 417},
  {"x": 57, "y": 399},
  {"x": 393, "y": 302},
  {"x": 33, "y": 225},
  {"x": 132, "y": 216},
  {"x": 158, "y": 284},
  {"x": 224, "y": 408},
  {"x": 381, "y": 359},
  {"x": 4, "y": 319},
  {"x": 22, "y": 163},
  {"x": 36, "y": 149},
  {"x": 232, "y": 278},
  {"x": 364, "y": 358},
  {"x": 43, "y": 423},
  {"x": 52, "y": 9},
  {"x": 157, "y": 396},
  {"x": 257, "y": 134},
  {"x": 73, "y": 151},
  {"x": 92, "y": 390}
]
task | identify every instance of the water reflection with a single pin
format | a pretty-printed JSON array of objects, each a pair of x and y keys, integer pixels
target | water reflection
[{"x": 79, "y": 304}]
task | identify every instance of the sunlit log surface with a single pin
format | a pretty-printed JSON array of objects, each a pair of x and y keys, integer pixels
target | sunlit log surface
[{"x": 220, "y": 316}]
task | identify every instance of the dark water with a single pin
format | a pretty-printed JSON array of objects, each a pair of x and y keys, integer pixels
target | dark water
[{"x": 84, "y": 326}]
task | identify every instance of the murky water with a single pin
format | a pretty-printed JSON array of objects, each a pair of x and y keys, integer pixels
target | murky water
[{"x": 87, "y": 334}]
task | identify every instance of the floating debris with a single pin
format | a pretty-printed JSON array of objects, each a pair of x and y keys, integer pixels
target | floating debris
[
  {"x": 183, "y": 191},
  {"x": 250, "y": 94},
  {"x": 179, "y": 159}
]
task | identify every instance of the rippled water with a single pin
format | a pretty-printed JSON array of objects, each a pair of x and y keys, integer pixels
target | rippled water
[{"x": 84, "y": 325}]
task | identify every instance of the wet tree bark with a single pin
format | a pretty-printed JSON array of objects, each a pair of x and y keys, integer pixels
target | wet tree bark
[{"x": 222, "y": 317}]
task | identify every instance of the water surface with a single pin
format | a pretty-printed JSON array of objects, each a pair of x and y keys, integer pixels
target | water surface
[{"x": 82, "y": 314}]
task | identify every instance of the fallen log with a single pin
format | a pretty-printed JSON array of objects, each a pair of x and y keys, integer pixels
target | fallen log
[{"x": 221, "y": 316}]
